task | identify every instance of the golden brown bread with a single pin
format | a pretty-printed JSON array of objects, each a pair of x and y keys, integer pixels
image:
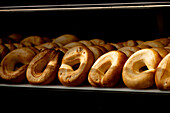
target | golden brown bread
[
  {"x": 106, "y": 71},
  {"x": 97, "y": 41},
  {"x": 15, "y": 37},
  {"x": 162, "y": 51},
  {"x": 43, "y": 67},
  {"x": 86, "y": 42},
  {"x": 14, "y": 64},
  {"x": 65, "y": 39},
  {"x": 96, "y": 52},
  {"x": 75, "y": 66},
  {"x": 129, "y": 50},
  {"x": 164, "y": 41},
  {"x": 162, "y": 79},
  {"x": 73, "y": 44},
  {"x": 32, "y": 41},
  {"x": 117, "y": 46},
  {"x": 139, "y": 70},
  {"x": 108, "y": 46},
  {"x": 150, "y": 44},
  {"x": 3, "y": 51},
  {"x": 130, "y": 43}
]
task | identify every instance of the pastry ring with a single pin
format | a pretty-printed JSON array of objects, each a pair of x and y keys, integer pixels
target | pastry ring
[
  {"x": 106, "y": 71},
  {"x": 75, "y": 66},
  {"x": 139, "y": 70},
  {"x": 43, "y": 67},
  {"x": 162, "y": 78},
  {"x": 14, "y": 64}
]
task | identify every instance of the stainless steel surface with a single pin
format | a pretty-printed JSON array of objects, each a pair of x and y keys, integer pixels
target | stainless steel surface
[
  {"x": 86, "y": 88},
  {"x": 64, "y": 7}
]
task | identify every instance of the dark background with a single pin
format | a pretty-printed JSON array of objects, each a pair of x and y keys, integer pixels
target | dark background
[
  {"x": 48, "y": 100},
  {"x": 111, "y": 25},
  {"x": 59, "y": 2}
]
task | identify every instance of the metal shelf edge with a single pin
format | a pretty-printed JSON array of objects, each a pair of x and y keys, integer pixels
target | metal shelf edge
[
  {"x": 84, "y": 6},
  {"x": 86, "y": 88}
]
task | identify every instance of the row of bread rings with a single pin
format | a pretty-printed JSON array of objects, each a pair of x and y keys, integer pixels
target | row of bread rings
[
  {"x": 41, "y": 43},
  {"x": 15, "y": 61},
  {"x": 105, "y": 72}
]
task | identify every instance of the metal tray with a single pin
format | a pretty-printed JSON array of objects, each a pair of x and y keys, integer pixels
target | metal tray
[
  {"x": 98, "y": 6},
  {"x": 86, "y": 88}
]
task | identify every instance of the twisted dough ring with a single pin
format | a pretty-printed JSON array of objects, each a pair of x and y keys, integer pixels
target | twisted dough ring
[
  {"x": 79, "y": 55},
  {"x": 48, "y": 59},
  {"x": 162, "y": 74},
  {"x": 106, "y": 71},
  {"x": 133, "y": 74},
  {"x": 9, "y": 69}
]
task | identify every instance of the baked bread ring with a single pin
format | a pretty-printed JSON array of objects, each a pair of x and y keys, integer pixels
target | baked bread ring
[
  {"x": 11, "y": 47},
  {"x": 117, "y": 46},
  {"x": 162, "y": 51},
  {"x": 106, "y": 71},
  {"x": 73, "y": 44},
  {"x": 108, "y": 46},
  {"x": 150, "y": 44},
  {"x": 167, "y": 48},
  {"x": 47, "y": 45},
  {"x": 139, "y": 69},
  {"x": 128, "y": 53},
  {"x": 65, "y": 39},
  {"x": 131, "y": 43},
  {"x": 75, "y": 66},
  {"x": 139, "y": 42},
  {"x": 86, "y": 42},
  {"x": 43, "y": 67},
  {"x": 15, "y": 37},
  {"x": 133, "y": 49},
  {"x": 164, "y": 41},
  {"x": 14, "y": 64},
  {"x": 129, "y": 50},
  {"x": 3, "y": 51},
  {"x": 103, "y": 49},
  {"x": 32, "y": 41},
  {"x": 97, "y": 41},
  {"x": 63, "y": 50},
  {"x": 18, "y": 45},
  {"x": 96, "y": 52},
  {"x": 162, "y": 78}
]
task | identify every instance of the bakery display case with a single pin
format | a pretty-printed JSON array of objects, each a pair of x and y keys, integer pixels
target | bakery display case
[{"x": 115, "y": 22}]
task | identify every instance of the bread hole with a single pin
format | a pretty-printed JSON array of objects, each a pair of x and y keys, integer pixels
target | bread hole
[
  {"x": 105, "y": 66},
  {"x": 43, "y": 68},
  {"x": 40, "y": 68},
  {"x": 144, "y": 68},
  {"x": 76, "y": 66},
  {"x": 18, "y": 65}
]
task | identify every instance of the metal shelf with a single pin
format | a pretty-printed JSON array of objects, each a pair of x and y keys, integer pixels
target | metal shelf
[
  {"x": 99, "y": 6},
  {"x": 85, "y": 89}
]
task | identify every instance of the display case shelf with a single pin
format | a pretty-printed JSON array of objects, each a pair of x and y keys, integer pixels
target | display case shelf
[
  {"x": 86, "y": 88},
  {"x": 134, "y": 24},
  {"x": 98, "y": 6}
]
